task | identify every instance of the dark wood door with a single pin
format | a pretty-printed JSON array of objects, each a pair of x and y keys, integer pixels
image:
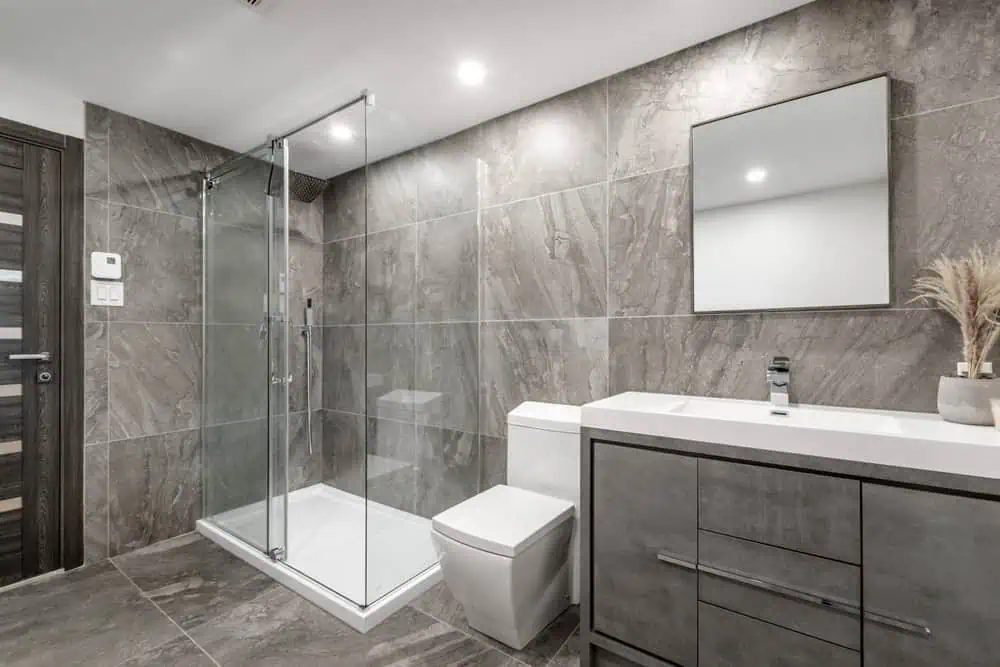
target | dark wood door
[{"x": 30, "y": 215}]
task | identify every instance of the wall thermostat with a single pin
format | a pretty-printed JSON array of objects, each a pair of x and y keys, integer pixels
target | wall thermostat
[{"x": 106, "y": 265}]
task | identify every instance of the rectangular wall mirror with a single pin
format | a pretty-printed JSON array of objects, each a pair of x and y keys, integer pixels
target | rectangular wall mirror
[{"x": 791, "y": 204}]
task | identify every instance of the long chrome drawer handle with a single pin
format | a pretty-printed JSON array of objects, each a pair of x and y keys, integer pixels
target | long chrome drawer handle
[
  {"x": 670, "y": 559},
  {"x": 782, "y": 590},
  {"x": 898, "y": 623},
  {"x": 824, "y": 601}
]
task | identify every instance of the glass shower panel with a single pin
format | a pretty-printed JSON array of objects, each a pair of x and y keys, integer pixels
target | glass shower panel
[
  {"x": 326, "y": 501},
  {"x": 422, "y": 350},
  {"x": 238, "y": 217}
]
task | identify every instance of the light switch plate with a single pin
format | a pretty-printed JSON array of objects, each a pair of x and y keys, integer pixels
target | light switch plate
[{"x": 107, "y": 293}]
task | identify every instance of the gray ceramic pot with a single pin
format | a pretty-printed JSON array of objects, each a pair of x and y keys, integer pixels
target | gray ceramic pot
[{"x": 967, "y": 401}]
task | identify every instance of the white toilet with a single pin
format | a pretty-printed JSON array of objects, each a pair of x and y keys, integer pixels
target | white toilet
[{"x": 510, "y": 554}]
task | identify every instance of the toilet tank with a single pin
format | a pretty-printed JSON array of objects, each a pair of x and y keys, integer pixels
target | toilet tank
[
  {"x": 543, "y": 449},
  {"x": 543, "y": 455}
]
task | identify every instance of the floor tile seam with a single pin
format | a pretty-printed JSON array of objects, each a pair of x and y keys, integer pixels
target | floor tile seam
[
  {"x": 470, "y": 636},
  {"x": 166, "y": 615},
  {"x": 569, "y": 637}
]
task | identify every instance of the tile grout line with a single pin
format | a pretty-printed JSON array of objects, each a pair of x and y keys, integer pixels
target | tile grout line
[
  {"x": 469, "y": 635},
  {"x": 563, "y": 645},
  {"x": 607, "y": 233},
  {"x": 107, "y": 352},
  {"x": 160, "y": 609}
]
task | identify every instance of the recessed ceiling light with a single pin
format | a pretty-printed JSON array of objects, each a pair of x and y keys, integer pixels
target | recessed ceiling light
[
  {"x": 341, "y": 133},
  {"x": 756, "y": 175},
  {"x": 471, "y": 73}
]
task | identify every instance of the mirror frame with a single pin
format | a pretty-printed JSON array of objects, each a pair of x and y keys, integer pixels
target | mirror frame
[{"x": 889, "y": 159}]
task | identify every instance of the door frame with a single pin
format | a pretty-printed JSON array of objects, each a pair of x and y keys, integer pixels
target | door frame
[{"x": 71, "y": 335}]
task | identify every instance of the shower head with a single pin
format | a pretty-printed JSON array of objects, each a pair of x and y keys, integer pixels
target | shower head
[{"x": 301, "y": 187}]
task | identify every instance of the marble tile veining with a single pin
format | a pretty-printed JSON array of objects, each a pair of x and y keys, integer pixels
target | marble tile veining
[
  {"x": 448, "y": 469},
  {"x": 866, "y": 359},
  {"x": 90, "y": 617},
  {"x": 344, "y": 449},
  {"x": 95, "y": 382},
  {"x": 236, "y": 368},
  {"x": 344, "y": 369},
  {"x": 392, "y": 192},
  {"x": 236, "y": 274},
  {"x": 344, "y": 282},
  {"x": 180, "y": 652},
  {"x": 944, "y": 194},
  {"x": 943, "y": 52},
  {"x": 97, "y": 126},
  {"x": 650, "y": 245},
  {"x": 391, "y": 272},
  {"x": 95, "y": 503},
  {"x": 556, "y": 361},
  {"x": 344, "y": 208},
  {"x": 448, "y": 269},
  {"x": 447, "y": 358},
  {"x": 391, "y": 369},
  {"x": 546, "y": 257},
  {"x": 447, "y": 175},
  {"x": 236, "y": 465},
  {"x": 554, "y": 145},
  {"x": 161, "y": 259},
  {"x": 155, "y": 168},
  {"x": 493, "y": 461},
  {"x": 821, "y": 45},
  {"x": 441, "y": 604},
  {"x": 155, "y": 378},
  {"x": 305, "y": 468},
  {"x": 192, "y": 580},
  {"x": 95, "y": 220},
  {"x": 155, "y": 487}
]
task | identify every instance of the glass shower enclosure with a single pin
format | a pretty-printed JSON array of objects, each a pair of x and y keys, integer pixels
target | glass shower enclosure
[{"x": 299, "y": 476}]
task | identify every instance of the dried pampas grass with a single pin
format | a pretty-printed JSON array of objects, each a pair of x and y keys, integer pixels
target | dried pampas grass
[{"x": 968, "y": 289}]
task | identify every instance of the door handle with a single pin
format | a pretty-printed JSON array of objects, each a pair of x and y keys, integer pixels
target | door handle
[{"x": 35, "y": 356}]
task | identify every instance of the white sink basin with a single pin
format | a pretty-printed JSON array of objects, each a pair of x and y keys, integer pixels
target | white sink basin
[
  {"x": 905, "y": 439},
  {"x": 810, "y": 416}
]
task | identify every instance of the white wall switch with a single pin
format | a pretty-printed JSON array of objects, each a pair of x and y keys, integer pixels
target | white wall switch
[
  {"x": 107, "y": 293},
  {"x": 106, "y": 265}
]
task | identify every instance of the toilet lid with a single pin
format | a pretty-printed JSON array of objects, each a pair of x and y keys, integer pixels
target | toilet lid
[{"x": 503, "y": 520}]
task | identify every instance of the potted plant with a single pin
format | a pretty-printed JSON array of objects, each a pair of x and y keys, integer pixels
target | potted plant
[{"x": 967, "y": 289}]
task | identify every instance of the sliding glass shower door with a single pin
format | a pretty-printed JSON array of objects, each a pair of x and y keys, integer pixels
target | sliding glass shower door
[{"x": 245, "y": 338}]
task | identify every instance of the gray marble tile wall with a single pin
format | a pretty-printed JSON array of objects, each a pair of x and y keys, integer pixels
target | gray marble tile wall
[
  {"x": 560, "y": 235},
  {"x": 143, "y": 400},
  {"x": 142, "y": 462}
]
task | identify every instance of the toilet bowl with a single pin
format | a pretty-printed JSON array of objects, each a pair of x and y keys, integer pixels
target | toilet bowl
[{"x": 510, "y": 554}]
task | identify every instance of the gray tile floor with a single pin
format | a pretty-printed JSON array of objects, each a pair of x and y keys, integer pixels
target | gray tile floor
[{"x": 188, "y": 603}]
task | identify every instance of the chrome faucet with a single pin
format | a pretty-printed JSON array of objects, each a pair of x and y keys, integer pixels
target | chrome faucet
[{"x": 779, "y": 374}]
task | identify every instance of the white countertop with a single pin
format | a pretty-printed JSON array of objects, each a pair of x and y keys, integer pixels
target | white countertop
[{"x": 906, "y": 439}]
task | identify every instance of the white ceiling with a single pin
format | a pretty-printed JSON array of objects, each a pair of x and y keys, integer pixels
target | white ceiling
[{"x": 232, "y": 75}]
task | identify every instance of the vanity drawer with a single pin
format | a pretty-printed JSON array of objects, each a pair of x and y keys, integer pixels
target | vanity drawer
[
  {"x": 645, "y": 550},
  {"x": 727, "y": 639},
  {"x": 811, "y": 595},
  {"x": 815, "y": 514}
]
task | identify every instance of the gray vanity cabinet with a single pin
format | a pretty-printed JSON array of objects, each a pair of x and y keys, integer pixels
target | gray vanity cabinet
[
  {"x": 931, "y": 560},
  {"x": 813, "y": 514},
  {"x": 645, "y": 550}
]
